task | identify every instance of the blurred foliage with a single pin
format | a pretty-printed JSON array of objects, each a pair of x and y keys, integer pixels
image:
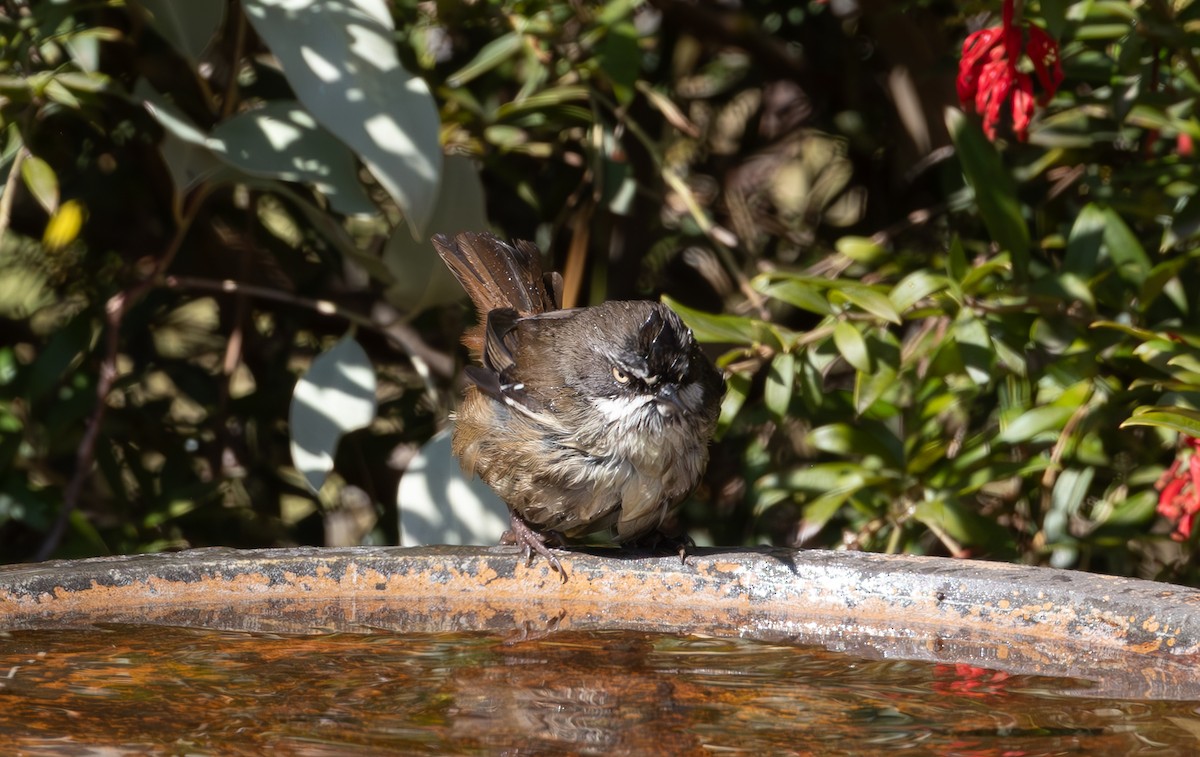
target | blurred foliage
[{"x": 934, "y": 343}]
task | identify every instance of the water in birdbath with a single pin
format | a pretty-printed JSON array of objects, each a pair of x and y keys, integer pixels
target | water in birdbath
[{"x": 138, "y": 689}]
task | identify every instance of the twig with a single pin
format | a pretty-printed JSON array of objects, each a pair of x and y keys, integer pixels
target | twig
[
  {"x": 1168, "y": 15},
  {"x": 576, "y": 256},
  {"x": 114, "y": 313},
  {"x": 698, "y": 214},
  {"x": 399, "y": 334},
  {"x": 239, "y": 43}
]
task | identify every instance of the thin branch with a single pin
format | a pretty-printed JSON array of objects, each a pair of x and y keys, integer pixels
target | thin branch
[
  {"x": 114, "y": 313},
  {"x": 239, "y": 43},
  {"x": 398, "y": 333}
]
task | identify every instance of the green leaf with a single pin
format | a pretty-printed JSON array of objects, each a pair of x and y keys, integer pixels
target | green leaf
[
  {"x": 41, "y": 182},
  {"x": 977, "y": 278},
  {"x": 617, "y": 178},
  {"x": 781, "y": 378},
  {"x": 870, "y": 387},
  {"x": 737, "y": 389},
  {"x": 546, "y": 99},
  {"x": 956, "y": 261},
  {"x": 1185, "y": 223},
  {"x": 334, "y": 397},
  {"x": 1161, "y": 280},
  {"x": 859, "y": 249},
  {"x": 1133, "y": 510},
  {"x": 974, "y": 348},
  {"x": 1084, "y": 243},
  {"x": 1033, "y": 422},
  {"x": 1012, "y": 359},
  {"x": 1125, "y": 328},
  {"x": 352, "y": 82},
  {"x": 1124, "y": 248},
  {"x": 710, "y": 327},
  {"x": 819, "y": 511},
  {"x": 916, "y": 287},
  {"x": 994, "y": 191},
  {"x": 1066, "y": 497},
  {"x": 1177, "y": 419},
  {"x": 964, "y": 525},
  {"x": 868, "y": 439},
  {"x": 192, "y": 157},
  {"x": 818, "y": 478},
  {"x": 57, "y": 91},
  {"x": 620, "y": 59},
  {"x": 64, "y": 350},
  {"x": 851, "y": 344},
  {"x": 489, "y": 56},
  {"x": 866, "y": 298},
  {"x": 796, "y": 291}
]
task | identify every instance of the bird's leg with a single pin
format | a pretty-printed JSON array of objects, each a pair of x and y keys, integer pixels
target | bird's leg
[{"x": 522, "y": 535}]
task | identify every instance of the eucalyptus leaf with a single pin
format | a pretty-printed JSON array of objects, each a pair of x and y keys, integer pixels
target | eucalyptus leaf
[
  {"x": 438, "y": 504},
  {"x": 283, "y": 141},
  {"x": 339, "y": 56},
  {"x": 421, "y": 279},
  {"x": 334, "y": 397},
  {"x": 189, "y": 25}
]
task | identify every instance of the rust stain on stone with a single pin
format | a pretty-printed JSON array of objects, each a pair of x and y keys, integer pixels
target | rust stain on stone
[{"x": 1019, "y": 616}]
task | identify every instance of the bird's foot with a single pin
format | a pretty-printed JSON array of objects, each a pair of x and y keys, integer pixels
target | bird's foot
[
  {"x": 522, "y": 535},
  {"x": 660, "y": 542}
]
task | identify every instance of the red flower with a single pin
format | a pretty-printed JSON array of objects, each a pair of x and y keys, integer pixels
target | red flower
[
  {"x": 988, "y": 76},
  {"x": 961, "y": 679},
  {"x": 1179, "y": 491}
]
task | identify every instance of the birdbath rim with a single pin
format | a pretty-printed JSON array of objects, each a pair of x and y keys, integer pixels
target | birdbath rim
[{"x": 1131, "y": 638}]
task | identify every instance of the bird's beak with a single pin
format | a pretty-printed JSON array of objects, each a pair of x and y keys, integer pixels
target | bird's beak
[{"x": 667, "y": 401}]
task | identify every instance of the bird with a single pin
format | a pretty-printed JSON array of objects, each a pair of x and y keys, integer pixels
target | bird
[{"x": 583, "y": 419}]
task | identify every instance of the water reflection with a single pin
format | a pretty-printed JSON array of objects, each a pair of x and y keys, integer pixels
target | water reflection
[{"x": 139, "y": 689}]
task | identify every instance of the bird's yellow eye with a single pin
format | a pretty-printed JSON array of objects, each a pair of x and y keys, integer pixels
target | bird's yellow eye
[{"x": 621, "y": 376}]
